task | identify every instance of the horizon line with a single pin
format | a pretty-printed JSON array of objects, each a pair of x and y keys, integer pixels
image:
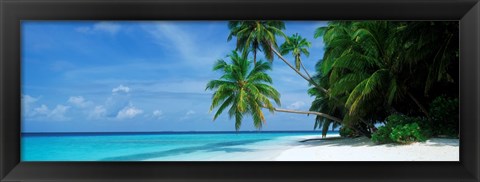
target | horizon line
[{"x": 77, "y": 132}]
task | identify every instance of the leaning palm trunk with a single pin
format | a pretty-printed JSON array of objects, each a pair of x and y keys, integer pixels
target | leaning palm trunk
[
  {"x": 333, "y": 118},
  {"x": 305, "y": 69},
  {"x": 309, "y": 112},
  {"x": 320, "y": 88},
  {"x": 297, "y": 71}
]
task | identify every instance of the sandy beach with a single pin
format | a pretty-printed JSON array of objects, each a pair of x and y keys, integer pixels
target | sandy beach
[
  {"x": 362, "y": 149},
  {"x": 333, "y": 148}
]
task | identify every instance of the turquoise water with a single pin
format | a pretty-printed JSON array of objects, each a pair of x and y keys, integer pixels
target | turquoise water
[{"x": 156, "y": 146}]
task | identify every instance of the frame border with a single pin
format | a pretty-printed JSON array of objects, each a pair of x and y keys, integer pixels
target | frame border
[{"x": 12, "y": 12}]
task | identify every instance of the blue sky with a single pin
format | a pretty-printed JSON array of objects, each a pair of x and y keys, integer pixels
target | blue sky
[{"x": 92, "y": 76}]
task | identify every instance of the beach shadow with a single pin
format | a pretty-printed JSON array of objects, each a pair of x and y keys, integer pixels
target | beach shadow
[
  {"x": 214, "y": 147},
  {"x": 338, "y": 141},
  {"x": 364, "y": 141}
]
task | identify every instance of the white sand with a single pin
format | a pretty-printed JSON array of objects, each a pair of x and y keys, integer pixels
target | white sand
[
  {"x": 362, "y": 149},
  {"x": 339, "y": 149}
]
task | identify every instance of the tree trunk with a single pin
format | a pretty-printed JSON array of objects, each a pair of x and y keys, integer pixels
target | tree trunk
[
  {"x": 362, "y": 131},
  {"x": 309, "y": 79},
  {"x": 418, "y": 104},
  {"x": 309, "y": 112},
  {"x": 303, "y": 67},
  {"x": 297, "y": 71},
  {"x": 316, "y": 86}
]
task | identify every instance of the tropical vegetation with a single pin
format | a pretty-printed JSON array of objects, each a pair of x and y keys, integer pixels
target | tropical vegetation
[
  {"x": 392, "y": 81},
  {"x": 245, "y": 89}
]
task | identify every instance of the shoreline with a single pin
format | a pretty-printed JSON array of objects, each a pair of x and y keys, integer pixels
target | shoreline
[
  {"x": 291, "y": 148},
  {"x": 362, "y": 149},
  {"x": 227, "y": 147}
]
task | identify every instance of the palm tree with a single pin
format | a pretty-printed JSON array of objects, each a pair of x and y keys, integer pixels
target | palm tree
[
  {"x": 261, "y": 35},
  {"x": 297, "y": 45},
  {"x": 362, "y": 66},
  {"x": 254, "y": 36},
  {"x": 323, "y": 103},
  {"x": 377, "y": 63},
  {"x": 246, "y": 31},
  {"x": 247, "y": 90},
  {"x": 357, "y": 72}
]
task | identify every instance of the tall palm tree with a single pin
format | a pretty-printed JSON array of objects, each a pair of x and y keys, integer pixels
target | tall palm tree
[
  {"x": 245, "y": 31},
  {"x": 261, "y": 35},
  {"x": 297, "y": 45},
  {"x": 254, "y": 36},
  {"x": 245, "y": 89}
]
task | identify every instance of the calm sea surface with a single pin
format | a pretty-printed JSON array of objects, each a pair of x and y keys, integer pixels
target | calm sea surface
[{"x": 187, "y": 146}]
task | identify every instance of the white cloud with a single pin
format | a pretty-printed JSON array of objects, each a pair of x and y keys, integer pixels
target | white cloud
[
  {"x": 27, "y": 102},
  {"x": 157, "y": 114},
  {"x": 59, "y": 113},
  {"x": 79, "y": 101},
  {"x": 296, "y": 105},
  {"x": 181, "y": 40},
  {"x": 108, "y": 27},
  {"x": 42, "y": 110},
  {"x": 97, "y": 112},
  {"x": 121, "y": 88},
  {"x": 116, "y": 106},
  {"x": 180, "y": 86},
  {"x": 172, "y": 35},
  {"x": 128, "y": 112},
  {"x": 190, "y": 112}
]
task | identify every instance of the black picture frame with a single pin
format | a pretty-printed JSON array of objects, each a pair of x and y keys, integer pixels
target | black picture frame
[{"x": 12, "y": 12}]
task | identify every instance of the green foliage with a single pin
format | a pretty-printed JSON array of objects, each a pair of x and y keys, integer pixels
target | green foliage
[
  {"x": 382, "y": 135},
  {"x": 407, "y": 133},
  {"x": 370, "y": 69},
  {"x": 297, "y": 45},
  {"x": 254, "y": 36},
  {"x": 347, "y": 132},
  {"x": 244, "y": 89},
  {"x": 402, "y": 129},
  {"x": 444, "y": 116},
  {"x": 324, "y": 105},
  {"x": 390, "y": 65}
]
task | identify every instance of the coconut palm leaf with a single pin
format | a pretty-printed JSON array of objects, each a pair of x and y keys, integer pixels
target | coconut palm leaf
[
  {"x": 255, "y": 36},
  {"x": 244, "y": 89}
]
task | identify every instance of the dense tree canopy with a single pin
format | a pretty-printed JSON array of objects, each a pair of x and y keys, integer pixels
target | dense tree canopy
[{"x": 370, "y": 70}]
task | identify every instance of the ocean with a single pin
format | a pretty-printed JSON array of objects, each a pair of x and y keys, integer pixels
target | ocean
[{"x": 165, "y": 146}]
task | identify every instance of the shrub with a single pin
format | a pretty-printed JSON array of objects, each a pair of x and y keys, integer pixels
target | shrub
[
  {"x": 402, "y": 129},
  {"x": 382, "y": 135},
  {"x": 398, "y": 119},
  {"x": 407, "y": 133}
]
